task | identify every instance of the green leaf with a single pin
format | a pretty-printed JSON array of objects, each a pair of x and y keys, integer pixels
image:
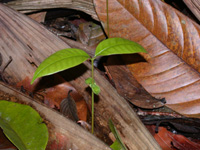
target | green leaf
[
  {"x": 118, "y": 144},
  {"x": 95, "y": 88},
  {"x": 88, "y": 81},
  {"x": 59, "y": 61},
  {"x": 23, "y": 126},
  {"x": 113, "y": 46}
]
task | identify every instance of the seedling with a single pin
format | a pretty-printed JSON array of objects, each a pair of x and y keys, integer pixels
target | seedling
[{"x": 71, "y": 57}]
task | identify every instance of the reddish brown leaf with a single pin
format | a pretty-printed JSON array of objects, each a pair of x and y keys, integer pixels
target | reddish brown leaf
[
  {"x": 26, "y": 84},
  {"x": 173, "y": 44},
  {"x": 54, "y": 92},
  {"x": 168, "y": 140},
  {"x": 183, "y": 143},
  {"x": 163, "y": 139}
]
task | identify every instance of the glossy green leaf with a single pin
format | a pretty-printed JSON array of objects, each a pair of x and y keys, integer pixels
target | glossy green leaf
[
  {"x": 118, "y": 144},
  {"x": 23, "y": 126},
  {"x": 95, "y": 88},
  {"x": 59, "y": 61},
  {"x": 113, "y": 46}
]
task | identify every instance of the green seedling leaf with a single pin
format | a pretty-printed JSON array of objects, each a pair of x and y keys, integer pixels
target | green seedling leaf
[
  {"x": 88, "y": 81},
  {"x": 59, "y": 61},
  {"x": 113, "y": 46},
  {"x": 95, "y": 88},
  {"x": 23, "y": 126},
  {"x": 118, "y": 144}
]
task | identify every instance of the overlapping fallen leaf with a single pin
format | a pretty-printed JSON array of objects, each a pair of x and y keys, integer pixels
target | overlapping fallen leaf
[{"x": 173, "y": 44}]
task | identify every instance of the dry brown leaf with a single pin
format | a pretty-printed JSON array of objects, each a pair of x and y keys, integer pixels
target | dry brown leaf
[
  {"x": 54, "y": 92},
  {"x": 127, "y": 86},
  {"x": 68, "y": 108},
  {"x": 169, "y": 141},
  {"x": 173, "y": 44}
]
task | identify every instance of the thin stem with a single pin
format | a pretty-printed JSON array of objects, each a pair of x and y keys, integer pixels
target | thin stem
[
  {"x": 92, "y": 63},
  {"x": 107, "y": 18}
]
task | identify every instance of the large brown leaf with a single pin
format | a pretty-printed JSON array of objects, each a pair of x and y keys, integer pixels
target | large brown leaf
[{"x": 173, "y": 45}]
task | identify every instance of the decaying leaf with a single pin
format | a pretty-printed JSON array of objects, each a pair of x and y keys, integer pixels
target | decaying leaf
[
  {"x": 54, "y": 92},
  {"x": 68, "y": 108},
  {"x": 178, "y": 124},
  {"x": 170, "y": 141},
  {"x": 58, "y": 90},
  {"x": 128, "y": 87},
  {"x": 173, "y": 45}
]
